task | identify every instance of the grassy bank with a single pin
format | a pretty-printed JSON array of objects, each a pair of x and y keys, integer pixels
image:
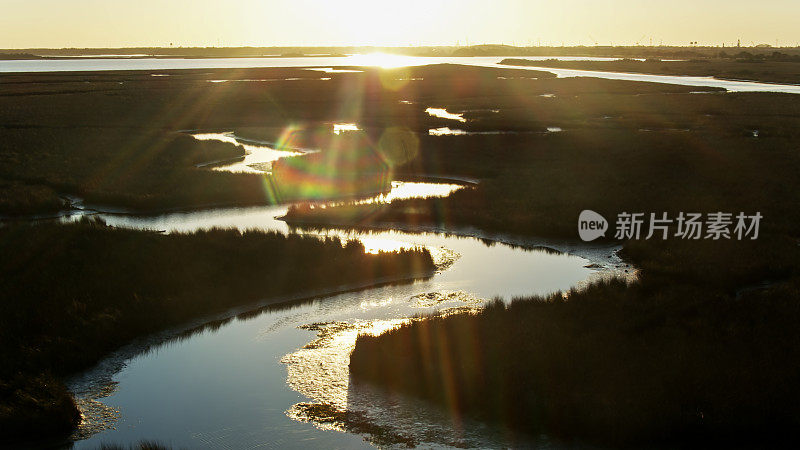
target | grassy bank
[
  {"x": 702, "y": 351},
  {"x": 73, "y": 293},
  {"x": 612, "y": 364}
]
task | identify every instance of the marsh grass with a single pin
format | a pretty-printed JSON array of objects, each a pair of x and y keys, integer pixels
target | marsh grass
[
  {"x": 703, "y": 350},
  {"x": 72, "y": 293},
  {"x": 19, "y": 198},
  {"x": 616, "y": 364},
  {"x": 112, "y": 137}
]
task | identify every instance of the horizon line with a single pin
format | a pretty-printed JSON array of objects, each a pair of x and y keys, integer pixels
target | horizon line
[{"x": 432, "y": 46}]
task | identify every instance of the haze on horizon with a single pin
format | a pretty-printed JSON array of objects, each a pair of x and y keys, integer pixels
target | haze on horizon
[{"x": 153, "y": 23}]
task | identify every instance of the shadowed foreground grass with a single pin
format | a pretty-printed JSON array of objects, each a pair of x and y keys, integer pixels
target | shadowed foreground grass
[
  {"x": 615, "y": 364},
  {"x": 72, "y": 293},
  {"x": 703, "y": 349}
]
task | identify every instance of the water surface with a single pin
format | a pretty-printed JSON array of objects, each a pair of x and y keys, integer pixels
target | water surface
[
  {"x": 244, "y": 384},
  {"x": 683, "y": 80},
  {"x": 443, "y": 114},
  {"x": 332, "y": 62},
  {"x": 258, "y": 157}
]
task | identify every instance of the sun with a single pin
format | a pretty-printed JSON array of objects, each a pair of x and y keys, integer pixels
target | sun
[{"x": 376, "y": 23}]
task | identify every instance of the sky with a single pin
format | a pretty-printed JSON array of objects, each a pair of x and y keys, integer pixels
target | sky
[{"x": 115, "y": 23}]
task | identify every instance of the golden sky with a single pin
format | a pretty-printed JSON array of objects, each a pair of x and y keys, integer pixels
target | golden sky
[{"x": 116, "y": 23}]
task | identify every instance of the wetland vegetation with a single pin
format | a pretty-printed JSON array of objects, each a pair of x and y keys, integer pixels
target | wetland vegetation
[
  {"x": 73, "y": 293},
  {"x": 702, "y": 349},
  {"x": 673, "y": 359},
  {"x": 704, "y": 344}
]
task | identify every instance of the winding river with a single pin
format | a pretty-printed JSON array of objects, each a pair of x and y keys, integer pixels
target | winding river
[
  {"x": 251, "y": 377},
  {"x": 246, "y": 379}
]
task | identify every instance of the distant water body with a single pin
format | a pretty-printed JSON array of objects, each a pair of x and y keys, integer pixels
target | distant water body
[
  {"x": 102, "y": 64},
  {"x": 155, "y": 64},
  {"x": 87, "y": 64}
]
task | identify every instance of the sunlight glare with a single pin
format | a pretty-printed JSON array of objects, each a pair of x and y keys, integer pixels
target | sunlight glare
[
  {"x": 443, "y": 114},
  {"x": 377, "y": 245},
  {"x": 339, "y": 128},
  {"x": 221, "y": 137},
  {"x": 384, "y": 60}
]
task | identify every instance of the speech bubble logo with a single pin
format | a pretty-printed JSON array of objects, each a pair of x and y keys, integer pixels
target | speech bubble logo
[{"x": 591, "y": 225}]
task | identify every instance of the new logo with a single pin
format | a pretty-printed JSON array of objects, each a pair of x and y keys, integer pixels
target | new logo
[{"x": 591, "y": 225}]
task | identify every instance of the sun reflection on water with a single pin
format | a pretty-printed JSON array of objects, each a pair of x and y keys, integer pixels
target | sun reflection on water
[
  {"x": 378, "y": 245},
  {"x": 258, "y": 159},
  {"x": 383, "y": 60},
  {"x": 320, "y": 370},
  {"x": 334, "y": 70},
  {"x": 221, "y": 137},
  {"x": 446, "y": 131},
  {"x": 339, "y": 128},
  {"x": 442, "y": 113},
  {"x": 402, "y": 190}
]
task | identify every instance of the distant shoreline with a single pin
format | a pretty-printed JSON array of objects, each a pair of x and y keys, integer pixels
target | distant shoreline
[
  {"x": 29, "y": 57},
  {"x": 429, "y": 51}
]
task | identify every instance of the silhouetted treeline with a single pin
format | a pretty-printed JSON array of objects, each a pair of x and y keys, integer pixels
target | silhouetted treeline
[
  {"x": 774, "y": 56},
  {"x": 71, "y": 293}
]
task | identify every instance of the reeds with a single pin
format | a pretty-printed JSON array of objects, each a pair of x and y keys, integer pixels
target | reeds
[{"x": 71, "y": 293}]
